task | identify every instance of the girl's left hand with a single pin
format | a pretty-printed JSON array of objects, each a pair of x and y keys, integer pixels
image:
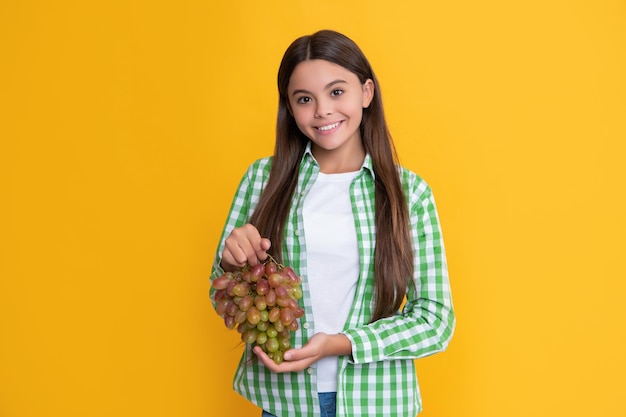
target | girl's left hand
[{"x": 318, "y": 347}]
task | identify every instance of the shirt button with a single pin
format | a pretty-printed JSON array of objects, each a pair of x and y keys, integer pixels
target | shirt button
[
  {"x": 310, "y": 371},
  {"x": 306, "y": 325},
  {"x": 297, "y": 232}
]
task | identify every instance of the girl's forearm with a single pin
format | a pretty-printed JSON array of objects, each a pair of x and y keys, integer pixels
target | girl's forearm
[{"x": 338, "y": 345}]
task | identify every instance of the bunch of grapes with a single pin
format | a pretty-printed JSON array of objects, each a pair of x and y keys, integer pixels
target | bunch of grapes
[{"x": 261, "y": 301}]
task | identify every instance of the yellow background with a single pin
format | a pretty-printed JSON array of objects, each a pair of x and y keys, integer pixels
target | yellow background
[{"x": 125, "y": 127}]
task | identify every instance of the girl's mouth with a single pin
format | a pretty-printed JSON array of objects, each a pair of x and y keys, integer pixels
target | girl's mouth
[{"x": 328, "y": 128}]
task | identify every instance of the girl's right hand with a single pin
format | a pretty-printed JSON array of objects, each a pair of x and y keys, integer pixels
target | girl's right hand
[{"x": 244, "y": 246}]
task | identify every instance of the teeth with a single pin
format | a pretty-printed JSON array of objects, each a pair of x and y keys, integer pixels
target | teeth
[{"x": 323, "y": 128}]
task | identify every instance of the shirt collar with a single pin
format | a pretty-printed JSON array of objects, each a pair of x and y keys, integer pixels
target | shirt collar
[{"x": 367, "y": 162}]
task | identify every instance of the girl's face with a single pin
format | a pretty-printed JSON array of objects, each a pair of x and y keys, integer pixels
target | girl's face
[{"x": 327, "y": 102}]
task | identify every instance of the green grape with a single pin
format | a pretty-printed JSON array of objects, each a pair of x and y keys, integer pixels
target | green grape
[
  {"x": 263, "y": 325},
  {"x": 272, "y": 344},
  {"x": 284, "y": 343},
  {"x": 249, "y": 336},
  {"x": 278, "y": 357},
  {"x": 279, "y": 326},
  {"x": 296, "y": 292},
  {"x": 265, "y": 315},
  {"x": 271, "y": 331},
  {"x": 261, "y": 338}
]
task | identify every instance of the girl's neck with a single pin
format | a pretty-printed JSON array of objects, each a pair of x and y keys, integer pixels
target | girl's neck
[{"x": 337, "y": 161}]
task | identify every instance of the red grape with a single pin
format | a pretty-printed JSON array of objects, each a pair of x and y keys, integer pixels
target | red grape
[
  {"x": 253, "y": 315},
  {"x": 262, "y": 287},
  {"x": 286, "y": 316},
  {"x": 270, "y": 268},
  {"x": 274, "y": 314},
  {"x": 270, "y": 298},
  {"x": 222, "y": 282},
  {"x": 275, "y": 279},
  {"x": 241, "y": 289},
  {"x": 257, "y": 272},
  {"x": 261, "y": 302},
  {"x": 229, "y": 321},
  {"x": 281, "y": 291},
  {"x": 245, "y": 303}
]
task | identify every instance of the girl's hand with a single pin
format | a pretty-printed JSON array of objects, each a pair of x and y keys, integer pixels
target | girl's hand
[
  {"x": 244, "y": 245},
  {"x": 318, "y": 347}
]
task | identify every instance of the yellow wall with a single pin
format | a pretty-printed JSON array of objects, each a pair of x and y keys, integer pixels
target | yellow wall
[{"x": 126, "y": 125}]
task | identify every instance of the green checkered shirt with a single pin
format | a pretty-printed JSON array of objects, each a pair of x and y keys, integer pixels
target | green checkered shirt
[{"x": 379, "y": 378}]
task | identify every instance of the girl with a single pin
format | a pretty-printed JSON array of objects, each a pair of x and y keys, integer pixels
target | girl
[{"x": 361, "y": 231}]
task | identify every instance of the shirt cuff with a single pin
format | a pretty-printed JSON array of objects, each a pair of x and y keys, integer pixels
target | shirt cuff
[{"x": 367, "y": 346}]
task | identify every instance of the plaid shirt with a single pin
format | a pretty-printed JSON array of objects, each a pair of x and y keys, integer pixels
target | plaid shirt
[{"x": 379, "y": 378}]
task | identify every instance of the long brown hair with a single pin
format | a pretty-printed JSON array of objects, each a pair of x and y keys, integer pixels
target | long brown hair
[{"x": 393, "y": 264}]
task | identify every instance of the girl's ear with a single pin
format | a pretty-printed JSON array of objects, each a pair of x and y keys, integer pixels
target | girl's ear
[{"x": 368, "y": 92}]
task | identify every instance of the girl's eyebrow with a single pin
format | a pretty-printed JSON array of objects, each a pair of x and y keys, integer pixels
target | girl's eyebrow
[{"x": 329, "y": 85}]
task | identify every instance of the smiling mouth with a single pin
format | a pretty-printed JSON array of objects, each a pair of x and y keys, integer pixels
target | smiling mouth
[{"x": 328, "y": 127}]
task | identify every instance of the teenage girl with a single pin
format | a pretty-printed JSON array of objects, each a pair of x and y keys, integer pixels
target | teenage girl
[{"x": 361, "y": 231}]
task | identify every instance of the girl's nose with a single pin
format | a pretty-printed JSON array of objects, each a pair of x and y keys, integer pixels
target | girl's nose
[{"x": 323, "y": 109}]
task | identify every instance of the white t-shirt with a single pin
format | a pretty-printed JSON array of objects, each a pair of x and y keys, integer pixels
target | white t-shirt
[{"x": 332, "y": 261}]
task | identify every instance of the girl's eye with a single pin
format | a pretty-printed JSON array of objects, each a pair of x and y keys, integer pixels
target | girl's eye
[
  {"x": 337, "y": 92},
  {"x": 304, "y": 100}
]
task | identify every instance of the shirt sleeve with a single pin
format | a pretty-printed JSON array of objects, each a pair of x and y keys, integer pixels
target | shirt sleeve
[
  {"x": 239, "y": 214},
  {"x": 426, "y": 323}
]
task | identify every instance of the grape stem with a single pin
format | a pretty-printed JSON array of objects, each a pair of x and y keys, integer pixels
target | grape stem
[{"x": 271, "y": 259}]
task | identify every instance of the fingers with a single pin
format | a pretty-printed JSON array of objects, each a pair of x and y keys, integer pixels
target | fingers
[
  {"x": 318, "y": 347},
  {"x": 285, "y": 366},
  {"x": 265, "y": 245},
  {"x": 244, "y": 246}
]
